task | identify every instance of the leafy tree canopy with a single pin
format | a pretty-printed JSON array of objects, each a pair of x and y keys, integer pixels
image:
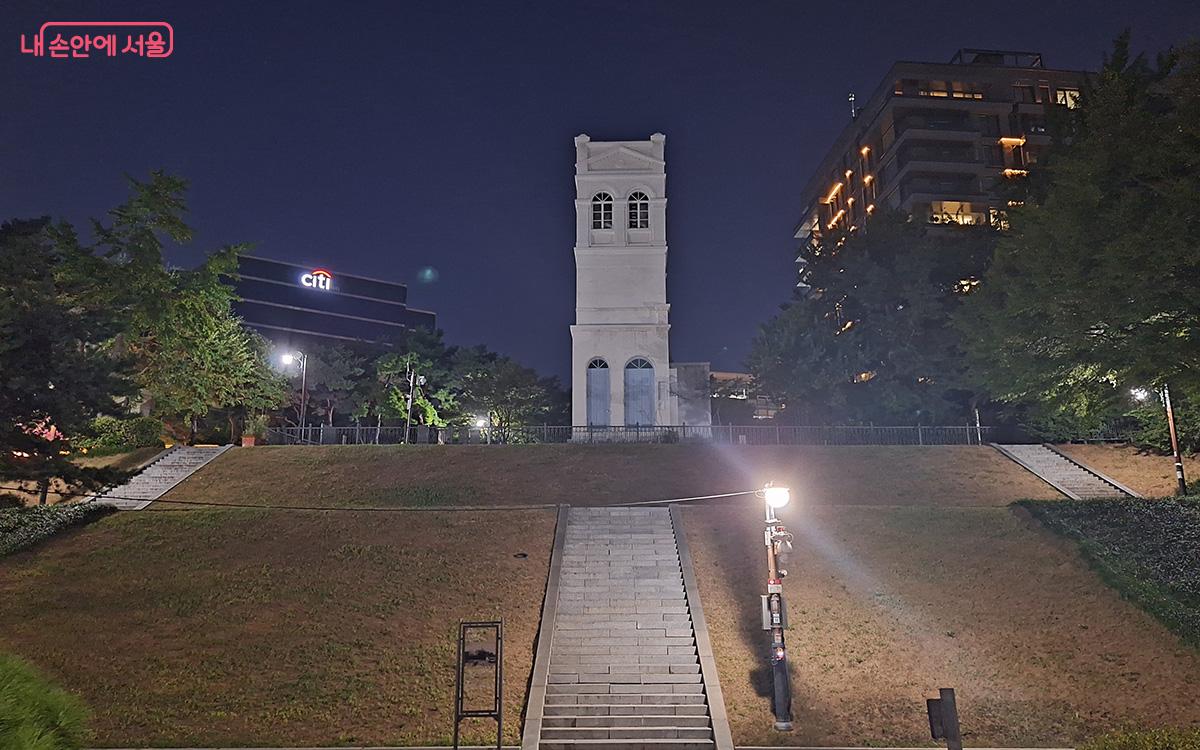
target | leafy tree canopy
[
  {"x": 57, "y": 370},
  {"x": 871, "y": 340},
  {"x": 1094, "y": 290}
]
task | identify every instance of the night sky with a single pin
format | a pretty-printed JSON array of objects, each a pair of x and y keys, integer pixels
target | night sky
[{"x": 383, "y": 138}]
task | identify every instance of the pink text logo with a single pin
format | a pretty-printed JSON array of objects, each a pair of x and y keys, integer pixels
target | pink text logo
[{"x": 63, "y": 40}]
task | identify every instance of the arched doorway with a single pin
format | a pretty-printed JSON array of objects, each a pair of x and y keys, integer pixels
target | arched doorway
[
  {"x": 599, "y": 394},
  {"x": 639, "y": 392}
]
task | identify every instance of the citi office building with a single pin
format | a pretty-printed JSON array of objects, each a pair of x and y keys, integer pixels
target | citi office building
[{"x": 290, "y": 303}]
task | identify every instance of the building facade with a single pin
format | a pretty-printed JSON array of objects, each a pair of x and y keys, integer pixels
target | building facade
[
  {"x": 939, "y": 141},
  {"x": 620, "y": 358},
  {"x": 290, "y": 303}
]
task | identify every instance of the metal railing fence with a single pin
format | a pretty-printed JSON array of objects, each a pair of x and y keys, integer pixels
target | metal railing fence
[{"x": 720, "y": 434}]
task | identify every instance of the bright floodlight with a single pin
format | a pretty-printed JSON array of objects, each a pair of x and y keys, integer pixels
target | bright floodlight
[
  {"x": 1141, "y": 394},
  {"x": 481, "y": 422},
  {"x": 777, "y": 497},
  {"x": 288, "y": 358}
]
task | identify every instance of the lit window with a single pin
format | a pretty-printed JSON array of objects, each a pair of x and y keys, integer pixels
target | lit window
[
  {"x": 639, "y": 211},
  {"x": 602, "y": 211},
  {"x": 954, "y": 212},
  {"x": 1068, "y": 98}
]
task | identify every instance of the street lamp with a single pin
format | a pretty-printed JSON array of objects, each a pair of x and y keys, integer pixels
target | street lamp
[
  {"x": 1141, "y": 394},
  {"x": 778, "y": 541},
  {"x": 414, "y": 380},
  {"x": 290, "y": 358}
]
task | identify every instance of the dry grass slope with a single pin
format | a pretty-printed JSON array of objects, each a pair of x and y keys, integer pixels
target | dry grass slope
[
  {"x": 597, "y": 475},
  {"x": 888, "y": 604},
  {"x": 229, "y": 627}
]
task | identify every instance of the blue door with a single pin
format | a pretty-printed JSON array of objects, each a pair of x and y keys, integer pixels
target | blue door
[
  {"x": 639, "y": 393},
  {"x": 599, "y": 394}
]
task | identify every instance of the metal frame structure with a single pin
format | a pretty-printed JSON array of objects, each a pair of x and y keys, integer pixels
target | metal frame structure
[{"x": 496, "y": 712}]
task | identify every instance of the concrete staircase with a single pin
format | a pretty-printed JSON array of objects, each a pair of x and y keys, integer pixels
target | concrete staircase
[
  {"x": 1068, "y": 476},
  {"x": 168, "y": 469},
  {"x": 624, "y": 663}
]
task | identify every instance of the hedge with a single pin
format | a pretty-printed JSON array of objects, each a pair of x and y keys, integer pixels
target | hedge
[
  {"x": 21, "y": 528},
  {"x": 109, "y": 434},
  {"x": 34, "y": 714},
  {"x": 1149, "y": 550},
  {"x": 1154, "y": 739}
]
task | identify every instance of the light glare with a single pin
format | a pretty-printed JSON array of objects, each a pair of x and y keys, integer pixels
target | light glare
[{"x": 777, "y": 497}]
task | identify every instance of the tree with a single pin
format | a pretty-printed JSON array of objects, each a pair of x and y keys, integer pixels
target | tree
[
  {"x": 510, "y": 395},
  {"x": 190, "y": 353},
  {"x": 872, "y": 339},
  {"x": 334, "y": 381},
  {"x": 1094, "y": 290},
  {"x": 57, "y": 370},
  {"x": 195, "y": 356}
]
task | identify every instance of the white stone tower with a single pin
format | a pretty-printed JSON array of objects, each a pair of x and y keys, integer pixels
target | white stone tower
[{"x": 620, "y": 362}]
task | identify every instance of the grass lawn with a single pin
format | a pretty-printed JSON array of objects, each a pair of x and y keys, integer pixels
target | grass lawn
[
  {"x": 1149, "y": 550},
  {"x": 888, "y": 604},
  {"x": 1145, "y": 473},
  {"x": 247, "y": 627},
  {"x": 595, "y": 475}
]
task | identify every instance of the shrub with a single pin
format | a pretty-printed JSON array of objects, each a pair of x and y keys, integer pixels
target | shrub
[
  {"x": 9, "y": 500},
  {"x": 24, "y": 527},
  {"x": 1149, "y": 550},
  {"x": 1153, "y": 739},
  {"x": 34, "y": 714},
  {"x": 110, "y": 434},
  {"x": 256, "y": 425}
]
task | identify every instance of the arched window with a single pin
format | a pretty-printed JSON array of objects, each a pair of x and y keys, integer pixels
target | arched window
[
  {"x": 602, "y": 204},
  {"x": 598, "y": 393},
  {"x": 639, "y": 211},
  {"x": 639, "y": 392}
]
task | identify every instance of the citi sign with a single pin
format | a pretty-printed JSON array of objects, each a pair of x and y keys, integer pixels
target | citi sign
[{"x": 318, "y": 278}]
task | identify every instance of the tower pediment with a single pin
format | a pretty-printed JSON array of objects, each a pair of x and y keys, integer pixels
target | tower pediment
[{"x": 624, "y": 159}]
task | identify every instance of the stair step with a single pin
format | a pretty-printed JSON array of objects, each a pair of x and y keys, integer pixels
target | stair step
[
  {"x": 678, "y": 710},
  {"x": 625, "y": 699},
  {"x": 615, "y": 688},
  {"x": 660, "y": 744},
  {"x": 626, "y": 733},
  {"x": 627, "y": 720}
]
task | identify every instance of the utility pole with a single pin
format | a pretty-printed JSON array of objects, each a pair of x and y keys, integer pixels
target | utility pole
[{"x": 1181, "y": 489}]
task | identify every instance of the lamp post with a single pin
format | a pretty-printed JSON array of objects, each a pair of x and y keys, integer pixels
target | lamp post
[
  {"x": 414, "y": 380},
  {"x": 1141, "y": 394},
  {"x": 298, "y": 356},
  {"x": 778, "y": 542}
]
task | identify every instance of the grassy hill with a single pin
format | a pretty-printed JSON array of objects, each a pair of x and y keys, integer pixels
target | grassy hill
[
  {"x": 230, "y": 627},
  {"x": 252, "y": 627},
  {"x": 534, "y": 474}
]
